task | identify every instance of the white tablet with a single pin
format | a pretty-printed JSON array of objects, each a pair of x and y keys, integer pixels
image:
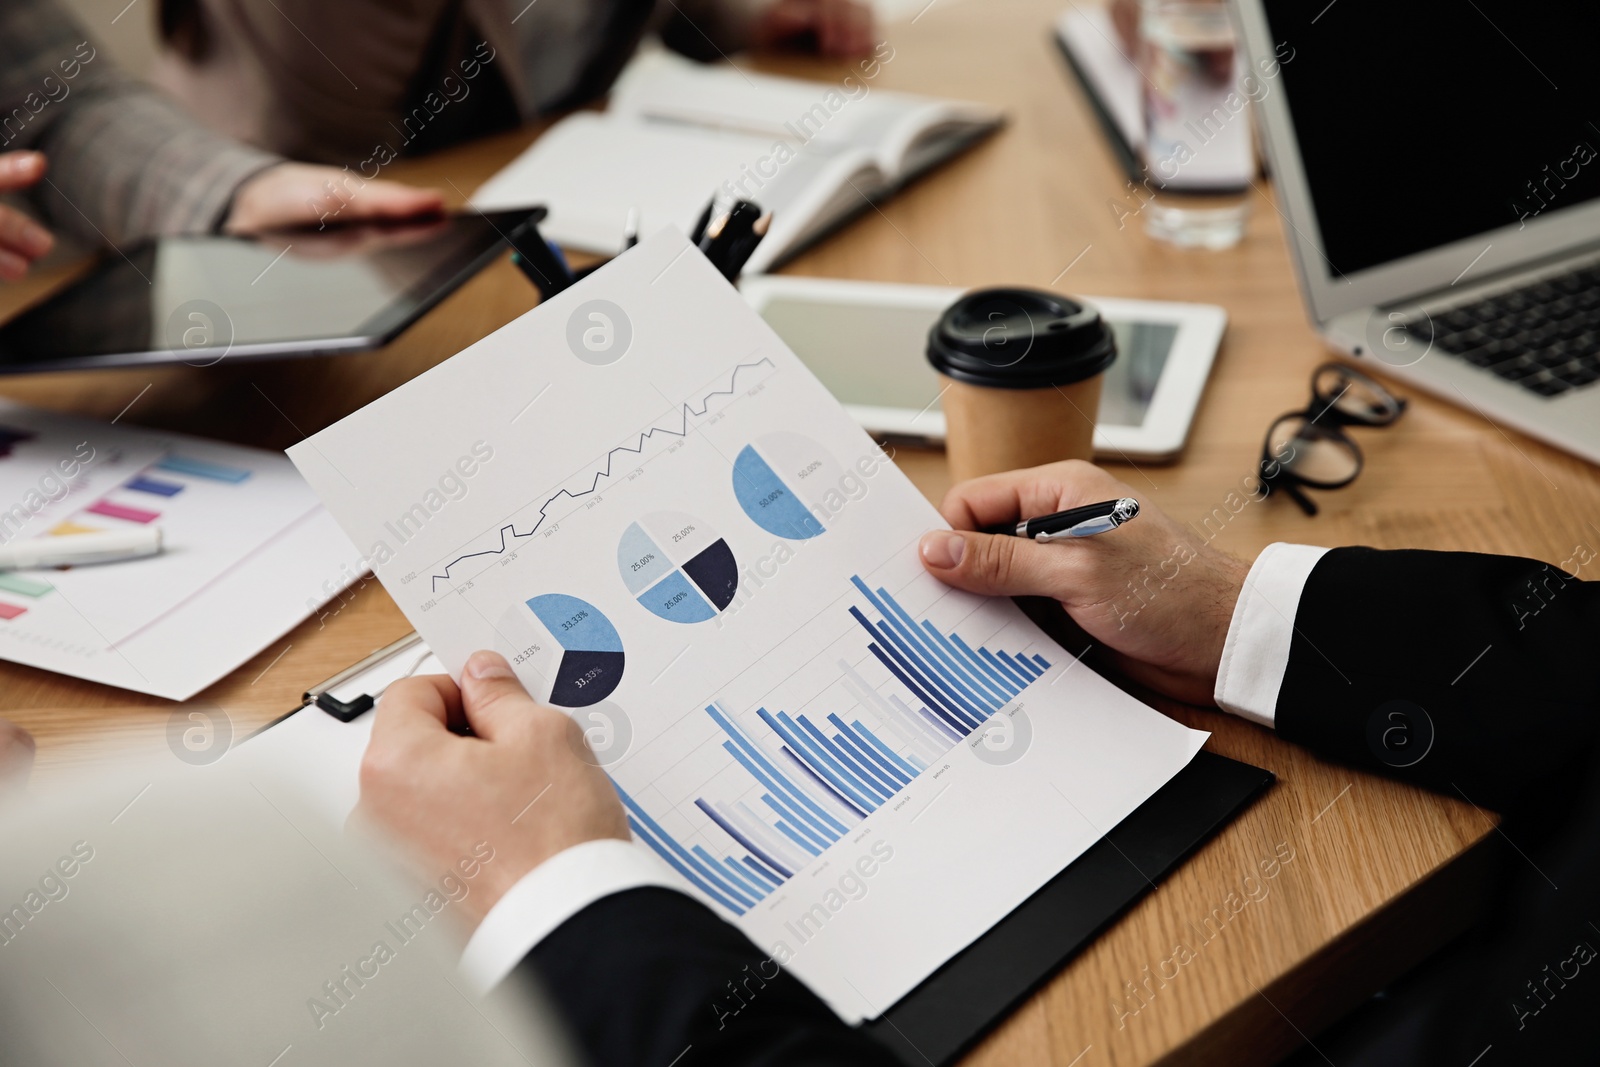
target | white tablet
[{"x": 867, "y": 341}]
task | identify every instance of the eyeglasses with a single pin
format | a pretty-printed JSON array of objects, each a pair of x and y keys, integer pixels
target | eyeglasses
[{"x": 1309, "y": 449}]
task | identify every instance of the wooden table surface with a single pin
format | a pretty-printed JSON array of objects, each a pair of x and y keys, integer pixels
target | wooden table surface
[{"x": 1377, "y": 876}]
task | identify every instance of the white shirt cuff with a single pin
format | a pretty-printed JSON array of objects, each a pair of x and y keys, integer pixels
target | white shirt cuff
[
  {"x": 552, "y": 893},
  {"x": 1256, "y": 654}
]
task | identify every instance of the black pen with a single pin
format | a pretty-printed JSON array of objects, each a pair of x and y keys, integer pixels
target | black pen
[
  {"x": 1086, "y": 521},
  {"x": 728, "y": 230},
  {"x": 741, "y": 252},
  {"x": 700, "y": 225},
  {"x": 540, "y": 260}
]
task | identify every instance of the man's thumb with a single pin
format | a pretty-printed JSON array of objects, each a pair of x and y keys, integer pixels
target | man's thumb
[
  {"x": 991, "y": 564},
  {"x": 491, "y": 693}
]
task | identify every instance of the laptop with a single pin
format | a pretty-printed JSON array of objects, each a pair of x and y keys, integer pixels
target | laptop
[{"x": 1438, "y": 171}]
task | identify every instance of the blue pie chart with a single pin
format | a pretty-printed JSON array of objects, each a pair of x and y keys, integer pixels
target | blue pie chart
[
  {"x": 591, "y": 658},
  {"x": 782, "y": 480},
  {"x": 677, "y": 567}
]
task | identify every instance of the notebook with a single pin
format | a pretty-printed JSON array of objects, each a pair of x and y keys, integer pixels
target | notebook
[{"x": 814, "y": 153}]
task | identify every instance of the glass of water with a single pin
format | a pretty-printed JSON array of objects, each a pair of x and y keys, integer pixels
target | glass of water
[{"x": 1199, "y": 153}]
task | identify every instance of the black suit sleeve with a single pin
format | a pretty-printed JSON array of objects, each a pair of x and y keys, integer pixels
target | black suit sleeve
[
  {"x": 1472, "y": 675},
  {"x": 650, "y": 977}
]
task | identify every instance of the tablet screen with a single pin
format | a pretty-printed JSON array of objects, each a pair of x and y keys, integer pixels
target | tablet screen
[
  {"x": 199, "y": 298},
  {"x": 874, "y": 355}
]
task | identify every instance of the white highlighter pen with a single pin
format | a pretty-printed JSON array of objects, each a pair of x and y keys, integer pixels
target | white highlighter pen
[{"x": 73, "y": 550}]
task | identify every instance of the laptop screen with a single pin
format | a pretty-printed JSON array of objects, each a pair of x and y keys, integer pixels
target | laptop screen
[{"x": 1423, "y": 124}]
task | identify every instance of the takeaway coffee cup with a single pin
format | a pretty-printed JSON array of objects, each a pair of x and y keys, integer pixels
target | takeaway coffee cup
[{"x": 1023, "y": 371}]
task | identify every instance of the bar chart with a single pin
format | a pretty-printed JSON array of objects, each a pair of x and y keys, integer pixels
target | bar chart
[
  {"x": 807, "y": 779},
  {"x": 126, "y": 503}
]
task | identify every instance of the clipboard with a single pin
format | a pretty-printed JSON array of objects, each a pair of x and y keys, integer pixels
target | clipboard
[{"x": 978, "y": 987}]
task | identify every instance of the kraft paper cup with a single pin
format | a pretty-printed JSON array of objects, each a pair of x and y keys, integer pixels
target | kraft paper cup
[{"x": 1023, "y": 369}]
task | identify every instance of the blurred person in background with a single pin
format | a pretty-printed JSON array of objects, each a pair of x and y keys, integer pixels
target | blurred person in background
[
  {"x": 157, "y": 913},
  {"x": 362, "y": 82},
  {"x": 108, "y": 160}
]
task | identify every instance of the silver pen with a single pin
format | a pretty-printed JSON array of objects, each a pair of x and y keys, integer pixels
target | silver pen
[{"x": 1085, "y": 521}]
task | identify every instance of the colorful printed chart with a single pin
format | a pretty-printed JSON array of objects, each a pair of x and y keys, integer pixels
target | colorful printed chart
[
  {"x": 124, "y": 504},
  {"x": 677, "y": 567}
]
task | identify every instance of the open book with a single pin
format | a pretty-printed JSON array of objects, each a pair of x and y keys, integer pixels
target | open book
[{"x": 813, "y": 153}]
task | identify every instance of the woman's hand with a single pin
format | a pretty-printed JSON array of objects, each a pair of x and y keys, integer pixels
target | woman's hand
[
  {"x": 303, "y": 194},
  {"x": 1155, "y": 595},
  {"x": 835, "y": 27},
  {"x": 21, "y": 239}
]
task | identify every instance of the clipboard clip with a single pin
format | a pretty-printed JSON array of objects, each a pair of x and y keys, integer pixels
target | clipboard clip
[{"x": 347, "y": 710}]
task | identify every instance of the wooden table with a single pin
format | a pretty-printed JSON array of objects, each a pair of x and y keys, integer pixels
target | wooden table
[{"x": 1379, "y": 875}]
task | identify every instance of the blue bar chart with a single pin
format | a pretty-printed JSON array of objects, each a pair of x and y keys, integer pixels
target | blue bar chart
[{"x": 808, "y": 778}]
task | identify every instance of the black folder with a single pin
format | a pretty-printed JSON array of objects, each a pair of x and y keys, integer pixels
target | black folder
[{"x": 975, "y": 989}]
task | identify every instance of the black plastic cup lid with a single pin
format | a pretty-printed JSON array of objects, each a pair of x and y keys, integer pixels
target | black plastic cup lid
[{"x": 1020, "y": 339}]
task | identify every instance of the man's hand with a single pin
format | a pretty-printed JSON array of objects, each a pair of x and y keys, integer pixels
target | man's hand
[
  {"x": 16, "y": 755},
  {"x": 304, "y": 194},
  {"x": 520, "y": 783},
  {"x": 1158, "y": 597},
  {"x": 833, "y": 27},
  {"x": 21, "y": 239}
]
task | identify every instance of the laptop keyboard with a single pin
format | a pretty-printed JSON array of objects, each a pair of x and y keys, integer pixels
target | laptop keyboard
[{"x": 1545, "y": 336}]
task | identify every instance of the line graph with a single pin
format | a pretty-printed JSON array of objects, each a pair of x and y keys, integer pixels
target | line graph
[{"x": 685, "y": 412}]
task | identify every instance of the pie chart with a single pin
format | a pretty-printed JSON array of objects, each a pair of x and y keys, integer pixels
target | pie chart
[
  {"x": 781, "y": 478},
  {"x": 590, "y": 667},
  {"x": 677, "y": 567}
]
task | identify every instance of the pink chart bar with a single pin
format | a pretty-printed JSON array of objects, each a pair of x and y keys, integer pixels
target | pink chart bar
[{"x": 122, "y": 511}]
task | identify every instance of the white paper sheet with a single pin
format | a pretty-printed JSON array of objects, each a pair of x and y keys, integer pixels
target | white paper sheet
[
  {"x": 248, "y": 553},
  {"x": 646, "y": 502},
  {"x": 51, "y": 465}
]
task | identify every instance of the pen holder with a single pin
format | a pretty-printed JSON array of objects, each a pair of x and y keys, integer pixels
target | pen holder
[{"x": 1022, "y": 371}]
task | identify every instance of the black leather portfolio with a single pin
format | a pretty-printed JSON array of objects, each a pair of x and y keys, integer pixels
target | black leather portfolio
[{"x": 975, "y": 989}]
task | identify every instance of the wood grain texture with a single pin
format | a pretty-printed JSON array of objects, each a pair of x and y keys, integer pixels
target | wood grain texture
[{"x": 1378, "y": 875}]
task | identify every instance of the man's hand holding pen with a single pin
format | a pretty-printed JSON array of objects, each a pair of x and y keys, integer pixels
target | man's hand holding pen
[{"x": 1158, "y": 597}]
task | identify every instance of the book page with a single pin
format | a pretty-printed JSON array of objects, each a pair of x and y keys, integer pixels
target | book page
[
  {"x": 650, "y": 506},
  {"x": 659, "y": 87},
  {"x": 590, "y": 169}
]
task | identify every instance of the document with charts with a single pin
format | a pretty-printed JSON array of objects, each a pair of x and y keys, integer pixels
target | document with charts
[
  {"x": 641, "y": 498},
  {"x": 247, "y": 552}
]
